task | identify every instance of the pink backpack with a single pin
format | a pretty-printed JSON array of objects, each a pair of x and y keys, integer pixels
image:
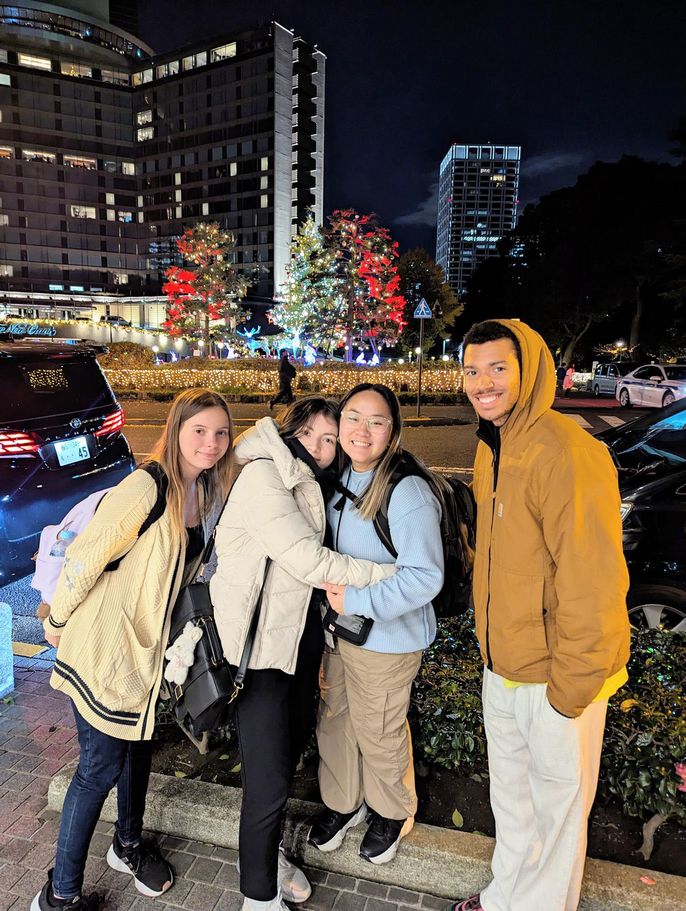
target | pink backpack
[{"x": 54, "y": 539}]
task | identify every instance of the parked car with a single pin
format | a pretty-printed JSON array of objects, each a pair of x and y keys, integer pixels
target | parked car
[
  {"x": 650, "y": 454},
  {"x": 60, "y": 440},
  {"x": 652, "y": 386},
  {"x": 115, "y": 320},
  {"x": 605, "y": 377}
]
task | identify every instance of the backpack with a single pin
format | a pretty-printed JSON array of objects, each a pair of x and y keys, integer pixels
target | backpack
[
  {"x": 54, "y": 539},
  {"x": 458, "y": 532}
]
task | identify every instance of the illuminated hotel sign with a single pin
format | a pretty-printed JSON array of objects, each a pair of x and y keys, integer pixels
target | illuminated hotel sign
[{"x": 28, "y": 329}]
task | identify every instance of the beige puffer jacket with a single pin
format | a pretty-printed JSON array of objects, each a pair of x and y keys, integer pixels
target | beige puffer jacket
[{"x": 276, "y": 509}]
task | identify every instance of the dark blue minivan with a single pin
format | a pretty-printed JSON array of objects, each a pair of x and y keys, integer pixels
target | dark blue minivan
[{"x": 60, "y": 440}]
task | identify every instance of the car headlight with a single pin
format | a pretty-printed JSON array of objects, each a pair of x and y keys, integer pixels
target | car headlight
[{"x": 625, "y": 509}]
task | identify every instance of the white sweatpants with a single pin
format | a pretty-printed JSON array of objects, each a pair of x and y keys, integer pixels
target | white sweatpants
[{"x": 544, "y": 771}]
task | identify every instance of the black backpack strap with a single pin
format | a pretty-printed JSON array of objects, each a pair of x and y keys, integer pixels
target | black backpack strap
[
  {"x": 154, "y": 469},
  {"x": 404, "y": 468},
  {"x": 250, "y": 638}
]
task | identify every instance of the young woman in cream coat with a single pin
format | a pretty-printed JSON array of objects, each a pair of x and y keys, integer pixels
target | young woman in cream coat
[{"x": 277, "y": 511}]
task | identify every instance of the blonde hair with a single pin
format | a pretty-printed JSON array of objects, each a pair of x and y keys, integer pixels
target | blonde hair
[
  {"x": 371, "y": 500},
  {"x": 167, "y": 452}
]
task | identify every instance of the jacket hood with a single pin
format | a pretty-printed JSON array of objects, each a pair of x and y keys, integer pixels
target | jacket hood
[
  {"x": 263, "y": 441},
  {"x": 538, "y": 380}
]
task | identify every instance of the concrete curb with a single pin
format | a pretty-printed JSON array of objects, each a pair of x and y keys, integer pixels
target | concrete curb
[{"x": 439, "y": 861}]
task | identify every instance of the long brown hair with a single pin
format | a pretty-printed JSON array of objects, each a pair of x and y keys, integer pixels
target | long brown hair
[
  {"x": 167, "y": 452},
  {"x": 373, "y": 497},
  {"x": 299, "y": 414}
]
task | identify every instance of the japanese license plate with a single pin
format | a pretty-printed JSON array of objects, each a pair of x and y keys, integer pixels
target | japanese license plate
[{"x": 70, "y": 451}]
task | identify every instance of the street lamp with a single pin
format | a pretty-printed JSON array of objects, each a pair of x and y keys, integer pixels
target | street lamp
[{"x": 155, "y": 351}]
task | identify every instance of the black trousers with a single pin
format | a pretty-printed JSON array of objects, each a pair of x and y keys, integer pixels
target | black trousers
[
  {"x": 284, "y": 395},
  {"x": 275, "y": 715}
]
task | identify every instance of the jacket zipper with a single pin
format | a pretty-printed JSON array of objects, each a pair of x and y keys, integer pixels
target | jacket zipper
[{"x": 496, "y": 466}]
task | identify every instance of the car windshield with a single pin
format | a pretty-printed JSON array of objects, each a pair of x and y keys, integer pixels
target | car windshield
[
  {"x": 651, "y": 440},
  {"x": 51, "y": 387},
  {"x": 676, "y": 373}
]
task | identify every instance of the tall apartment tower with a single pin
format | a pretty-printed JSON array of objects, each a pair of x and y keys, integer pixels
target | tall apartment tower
[
  {"x": 108, "y": 152},
  {"x": 477, "y": 203}
]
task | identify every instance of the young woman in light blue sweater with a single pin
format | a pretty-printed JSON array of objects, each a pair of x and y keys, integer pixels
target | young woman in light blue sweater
[{"x": 366, "y": 765}]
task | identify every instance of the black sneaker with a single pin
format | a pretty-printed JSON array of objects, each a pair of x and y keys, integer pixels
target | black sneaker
[
  {"x": 46, "y": 901},
  {"x": 329, "y": 827},
  {"x": 380, "y": 844},
  {"x": 152, "y": 874}
]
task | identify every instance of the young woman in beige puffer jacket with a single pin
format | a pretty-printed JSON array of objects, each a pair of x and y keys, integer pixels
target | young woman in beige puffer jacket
[{"x": 275, "y": 521}]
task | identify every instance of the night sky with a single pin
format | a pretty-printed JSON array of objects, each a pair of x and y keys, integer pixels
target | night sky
[{"x": 571, "y": 82}]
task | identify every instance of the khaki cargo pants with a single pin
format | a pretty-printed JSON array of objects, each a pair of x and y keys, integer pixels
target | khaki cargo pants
[{"x": 364, "y": 739}]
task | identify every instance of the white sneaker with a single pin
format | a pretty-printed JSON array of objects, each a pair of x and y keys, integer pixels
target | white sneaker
[
  {"x": 294, "y": 885},
  {"x": 274, "y": 904}
]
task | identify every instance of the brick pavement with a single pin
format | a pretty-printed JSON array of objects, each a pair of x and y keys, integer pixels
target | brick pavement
[{"x": 37, "y": 739}]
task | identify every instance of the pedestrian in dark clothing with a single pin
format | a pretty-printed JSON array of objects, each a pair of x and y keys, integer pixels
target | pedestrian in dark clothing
[
  {"x": 286, "y": 377},
  {"x": 560, "y": 374}
]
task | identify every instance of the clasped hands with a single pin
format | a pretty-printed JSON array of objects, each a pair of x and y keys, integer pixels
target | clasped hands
[{"x": 336, "y": 596}]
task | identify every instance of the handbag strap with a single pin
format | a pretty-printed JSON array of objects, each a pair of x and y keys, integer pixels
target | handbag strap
[
  {"x": 250, "y": 639},
  {"x": 209, "y": 547}
]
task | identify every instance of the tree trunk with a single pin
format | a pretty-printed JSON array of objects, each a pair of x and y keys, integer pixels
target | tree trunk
[
  {"x": 206, "y": 335},
  {"x": 571, "y": 345},
  {"x": 635, "y": 336},
  {"x": 649, "y": 830}
]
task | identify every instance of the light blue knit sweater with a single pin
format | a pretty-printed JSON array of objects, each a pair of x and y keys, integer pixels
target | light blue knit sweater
[{"x": 404, "y": 620}]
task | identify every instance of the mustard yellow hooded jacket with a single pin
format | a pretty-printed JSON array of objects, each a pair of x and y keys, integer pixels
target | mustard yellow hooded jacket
[{"x": 550, "y": 579}]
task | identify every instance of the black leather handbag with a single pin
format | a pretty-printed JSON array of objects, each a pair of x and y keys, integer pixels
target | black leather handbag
[{"x": 207, "y": 698}]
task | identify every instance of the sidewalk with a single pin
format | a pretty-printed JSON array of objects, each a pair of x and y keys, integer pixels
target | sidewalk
[{"x": 37, "y": 740}]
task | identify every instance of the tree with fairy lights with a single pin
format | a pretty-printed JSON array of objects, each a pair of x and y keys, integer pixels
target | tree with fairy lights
[
  {"x": 343, "y": 287},
  {"x": 307, "y": 312},
  {"x": 209, "y": 289}
]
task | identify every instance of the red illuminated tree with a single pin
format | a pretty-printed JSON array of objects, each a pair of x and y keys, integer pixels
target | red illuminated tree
[{"x": 208, "y": 289}]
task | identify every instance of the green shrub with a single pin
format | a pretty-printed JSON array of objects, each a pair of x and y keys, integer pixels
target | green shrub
[
  {"x": 645, "y": 735},
  {"x": 448, "y": 729},
  {"x": 127, "y": 355}
]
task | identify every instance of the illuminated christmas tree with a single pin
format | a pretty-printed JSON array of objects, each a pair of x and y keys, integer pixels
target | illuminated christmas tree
[
  {"x": 209, "y": 289},
  {"x": 343, "y": 286}
]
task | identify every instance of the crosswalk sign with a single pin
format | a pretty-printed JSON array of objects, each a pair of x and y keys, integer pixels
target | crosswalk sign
[{"x": 423, "y": 311}]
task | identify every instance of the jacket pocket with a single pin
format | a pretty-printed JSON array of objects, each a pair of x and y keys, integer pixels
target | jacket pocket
[
  {"x": 135, "y": 673},
  {"x": 516, "y": 620}
]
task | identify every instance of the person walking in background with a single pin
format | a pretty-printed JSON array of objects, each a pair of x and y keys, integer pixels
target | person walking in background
[
  {"x": 550, "y": 584},
  {"x": 286, "y": 377},
  {"x": 364, "y": 739},
  {"x": 568, "y": 380},
  {"x": 274, "y": 528},
  {"x": 560, "y": 374},
  {"x": 111, "y": 628}
]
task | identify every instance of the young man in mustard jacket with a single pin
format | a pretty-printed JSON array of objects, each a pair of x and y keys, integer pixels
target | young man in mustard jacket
[{"x": 550, "y": 584}]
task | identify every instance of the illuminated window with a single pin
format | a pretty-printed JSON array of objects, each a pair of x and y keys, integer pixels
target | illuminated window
[
  {"x": 70, "y": 68},
  {"x": 171, "y": 68},
  {"x": 128, "y": 167},
  {"x": 205, "y": 208},
  {"x": 142, "y": 77},
  {"x": 6, "y": 152},
  {"x": 264, "y": 201},
  {"x": 6, "y": 271},
  {"x": 83, "y": 212},
  {"x": 124, "y": 216},
  {"x": 193, "y": 60},
  {"x": 264, "y": 183},
  {"x": 145, "y": 133},
  {"x": 264, "y": 163},
  {"x": 110, "y": 215},
  {"x": 498, "y": 178},
  {"x": 143, "y": 117},
  {"x": 5, "y": 79},
  {"x": 120, "y": 278},
  {"x": 38, "y": 63},
  {"x": 223, "y": 52},
  {"x": 4, "y": 219},
  {"x": 33, "y": 155},
  {"x": 117, "y": 77},
  {"x": 233, "y": 169},
  {"x": 3, "y": 56},
  {"x": 109, "y": 199},
  {"x": 75, "y": 161}
]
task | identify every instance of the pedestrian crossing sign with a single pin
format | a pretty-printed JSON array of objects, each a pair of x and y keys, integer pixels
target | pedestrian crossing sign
[{"x": 422, "y": 311}]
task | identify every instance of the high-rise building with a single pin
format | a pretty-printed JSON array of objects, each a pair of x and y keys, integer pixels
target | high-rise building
[
  {"x": 108, "y": 152},
  {"x": 477, "y": 203}
]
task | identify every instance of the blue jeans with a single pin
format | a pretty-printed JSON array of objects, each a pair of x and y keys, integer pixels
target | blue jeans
[{"x": 104, "y": 762}]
